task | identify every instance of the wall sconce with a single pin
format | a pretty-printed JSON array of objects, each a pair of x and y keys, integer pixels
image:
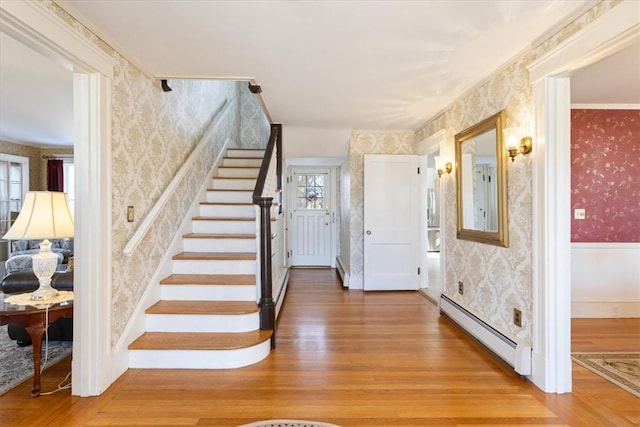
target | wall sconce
[
  {"x": 511, "y": 138},
  {"x": 442, "y": 166}
]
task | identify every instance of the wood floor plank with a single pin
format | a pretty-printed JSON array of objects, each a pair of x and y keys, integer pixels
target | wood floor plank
[{"x": 356, "y": 359}]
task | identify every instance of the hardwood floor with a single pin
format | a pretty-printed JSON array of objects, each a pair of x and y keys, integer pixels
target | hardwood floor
[{"x": 351, "y": 358}]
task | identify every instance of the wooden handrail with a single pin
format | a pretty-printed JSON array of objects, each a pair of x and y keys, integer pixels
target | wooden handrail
[{"x": 267, "y": 304}]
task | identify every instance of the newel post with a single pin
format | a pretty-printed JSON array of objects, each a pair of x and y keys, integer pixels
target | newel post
[{"x": 267, "y": 305}]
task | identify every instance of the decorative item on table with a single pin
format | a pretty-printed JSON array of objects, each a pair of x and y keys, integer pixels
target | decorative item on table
[{"x": 44, "y": 215}]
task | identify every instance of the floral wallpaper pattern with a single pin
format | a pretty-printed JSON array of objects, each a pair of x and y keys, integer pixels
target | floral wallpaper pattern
[
  {"x": 605, "y": 175},
  {"x": 361, "y": 143},
  {"x": 498, "y": 279}
]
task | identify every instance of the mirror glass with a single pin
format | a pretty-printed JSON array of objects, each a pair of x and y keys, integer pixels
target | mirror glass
[{"x": 481, "y": 182}]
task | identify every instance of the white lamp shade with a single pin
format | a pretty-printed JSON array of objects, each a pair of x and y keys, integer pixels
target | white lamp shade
[{"x": 44, "y": 215}]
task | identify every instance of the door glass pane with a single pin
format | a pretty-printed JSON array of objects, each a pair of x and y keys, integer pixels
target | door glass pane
[{"x": 310, "y": 192}]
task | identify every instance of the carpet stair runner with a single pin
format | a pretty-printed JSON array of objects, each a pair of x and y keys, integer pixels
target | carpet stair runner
[{"x": 207, "y": 316}]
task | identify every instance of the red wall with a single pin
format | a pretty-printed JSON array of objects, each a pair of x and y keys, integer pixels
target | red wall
[{"x": 605, "y": 175}]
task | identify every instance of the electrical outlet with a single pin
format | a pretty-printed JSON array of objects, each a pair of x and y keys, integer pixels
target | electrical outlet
[
  {"x": 460, "y": 288},
  {"x": 130, "y": 214},
  {"x": 517, "y": 317},
  {"x": 579, "y": 214}
]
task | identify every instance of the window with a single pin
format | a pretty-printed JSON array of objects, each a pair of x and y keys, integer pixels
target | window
[
  {"x": 310, "y": 193},
  {"x": 14, "y": 183},
  {"x": 70, "y": 183}
]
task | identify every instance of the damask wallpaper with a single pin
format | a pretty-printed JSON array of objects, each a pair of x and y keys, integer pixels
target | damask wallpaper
[
  {"x": 497, "y": 279},
  {"x": 605, "y": 175},
  {"x": 254, "y": 125},
  {"x": 361, "y": 143}
]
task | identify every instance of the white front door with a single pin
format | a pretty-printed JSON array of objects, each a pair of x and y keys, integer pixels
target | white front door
[
  {"x": 310, "y": 216},
  {"x": 391, "y": 226}
]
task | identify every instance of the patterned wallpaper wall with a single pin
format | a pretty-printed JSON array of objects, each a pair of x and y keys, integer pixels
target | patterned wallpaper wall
[
  {"x": 498, "y": 279},
  {"x": 254, "y": 125},
  {"x": 153, "y": 133},
  {"x": 605, "y": 175},
  {"x": 361, "y": 143}
]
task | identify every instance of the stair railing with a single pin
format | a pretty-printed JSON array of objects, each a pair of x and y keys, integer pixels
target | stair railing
[{"x": 268, "y": 186}]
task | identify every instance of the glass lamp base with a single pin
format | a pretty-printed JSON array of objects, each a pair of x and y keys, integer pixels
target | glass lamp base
[{"x": 43, "y": 293}]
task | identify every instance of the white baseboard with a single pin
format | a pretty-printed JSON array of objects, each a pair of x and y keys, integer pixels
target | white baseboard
[
  {"x": 601, "y": 309},
  {"x": 356, "y": 281}
]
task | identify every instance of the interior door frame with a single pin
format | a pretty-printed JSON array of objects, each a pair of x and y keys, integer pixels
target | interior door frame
[
  {"x": 429, "y": 145},
  {"x": 550, "y": 78},
  {"x": 310, "y": 167},
  {"x": 39, "y": 29}
]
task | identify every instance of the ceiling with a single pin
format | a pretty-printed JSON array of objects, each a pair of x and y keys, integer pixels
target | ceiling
[{"x": 322, "y": 65}]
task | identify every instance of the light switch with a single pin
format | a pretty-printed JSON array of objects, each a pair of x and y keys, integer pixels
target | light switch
[{"x": 579, "y": 214}]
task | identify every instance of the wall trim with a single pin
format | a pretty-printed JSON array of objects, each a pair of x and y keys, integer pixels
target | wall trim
[
  {"x": 605, "y": 106},
  {"x": 605, "y": 245},
  {"x": 605, "y": 308},
  {"x": 356, "y": 281}
]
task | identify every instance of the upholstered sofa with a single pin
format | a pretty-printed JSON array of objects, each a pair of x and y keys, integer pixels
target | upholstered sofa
[
  {"x": 23, "y": 250},
  {"x": 26, "y": 281}
]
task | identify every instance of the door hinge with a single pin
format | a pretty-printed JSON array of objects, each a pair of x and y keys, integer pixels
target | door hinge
[
  {"x": 418, "y": 170},
  {"x": 418, "y": 270}
]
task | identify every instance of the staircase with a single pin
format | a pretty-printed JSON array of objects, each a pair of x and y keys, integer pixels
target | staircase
[{"x": 207, "y": 316}]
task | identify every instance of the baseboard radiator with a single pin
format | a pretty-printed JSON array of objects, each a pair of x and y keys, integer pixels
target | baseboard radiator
[
  {"x": 342, "y": 272},
  {"x": 515, "y": 354}
]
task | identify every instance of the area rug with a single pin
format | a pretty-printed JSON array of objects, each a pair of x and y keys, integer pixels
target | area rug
[
  {"x": 16, "y": 363},
  {"x": 288, "y": 423},
  {"x": 622, "y": 369}
]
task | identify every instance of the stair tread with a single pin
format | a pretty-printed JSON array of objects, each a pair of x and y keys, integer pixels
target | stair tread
[
  {"x": 238, "y": 167},
  {"x": 235, "y": 177},
  {"x": 226, "y": 256},
  {"x": 218, "y": 236},
  {"x": 226, "y": 203},
  {"x": 199, "y": 340},
  {"x": 209, "y": 279},
  {"x": 224, "y": 218},
  {"x": 203, "y": 307},
  {"x": 230, "y": 189}
]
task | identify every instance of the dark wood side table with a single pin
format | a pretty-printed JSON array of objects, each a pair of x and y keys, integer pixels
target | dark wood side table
[{"x": 35, "y": 320}]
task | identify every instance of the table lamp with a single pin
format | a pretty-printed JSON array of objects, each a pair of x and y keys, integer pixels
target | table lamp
[{"x": 44, "y": 215}]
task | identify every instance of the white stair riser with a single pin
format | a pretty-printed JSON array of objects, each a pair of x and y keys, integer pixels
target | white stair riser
[
  {"x": 199, "y": 359},
  {"x": 233, "y": 184},
  {"x": 202, "y": 322},
  {"x": 208, "y": 292},
  {"x": 245, "y": 153},
  {"x": 249, "y": 162},
  {"x": 219, "y": 245},
  {"x": 214, "y": 267},
  {"x": 239, "y": 172},
  {"x": 227, "y": 211},
  {"x": 224, "y": 227},
  {"x": 214, "y": 196}
]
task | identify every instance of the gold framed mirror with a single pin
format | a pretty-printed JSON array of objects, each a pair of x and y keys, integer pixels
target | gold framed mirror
[{"x": 481, "y": 182}]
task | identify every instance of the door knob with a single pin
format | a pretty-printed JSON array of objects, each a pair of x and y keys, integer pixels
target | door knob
[{"x": 368, "y": 232}]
